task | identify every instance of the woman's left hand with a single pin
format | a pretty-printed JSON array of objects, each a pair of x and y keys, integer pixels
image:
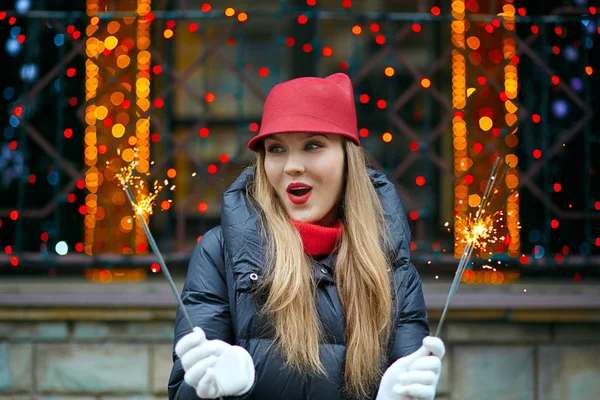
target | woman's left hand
[{"x": 415, "y": 376}]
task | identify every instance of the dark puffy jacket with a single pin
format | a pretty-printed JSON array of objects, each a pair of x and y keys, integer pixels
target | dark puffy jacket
[{"x": 228, "y": 263}]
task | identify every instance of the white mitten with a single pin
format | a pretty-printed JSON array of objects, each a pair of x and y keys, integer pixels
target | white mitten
[
  {"x": 415, "y": 376},
  {"x": 214, "y": 368}
]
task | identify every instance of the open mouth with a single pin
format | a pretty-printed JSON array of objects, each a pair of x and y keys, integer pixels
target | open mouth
[{"x": 300, "y": 192}]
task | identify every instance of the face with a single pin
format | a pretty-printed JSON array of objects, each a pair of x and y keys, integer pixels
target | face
[{"x": 307, "y": 173}]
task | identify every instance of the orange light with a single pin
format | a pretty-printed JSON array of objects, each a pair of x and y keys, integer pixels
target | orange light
[
  {"x": 242, "y": 17},
  {"x": 425, "y": 83},
  {"x": 171, "y": 173},
  {"x": 389, "y": 71},
  {"x": 168, "y": 33},
  {"x": 387, "y": 137},
  {"x": 589, "y": 70},
  {"x": 356, "y": 29},
  {"x": 210, "y": 97},
  {"x": 165, "y": 205},
  {"x": 327, "y": 51}
]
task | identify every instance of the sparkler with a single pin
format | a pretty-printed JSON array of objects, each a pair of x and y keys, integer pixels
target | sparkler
[
  {"x": 143, "y": 208},
  {"x": 478, "y": 232}
]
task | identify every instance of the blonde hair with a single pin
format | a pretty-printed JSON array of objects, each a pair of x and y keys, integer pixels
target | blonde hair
[{"x": 361, "y": 273}]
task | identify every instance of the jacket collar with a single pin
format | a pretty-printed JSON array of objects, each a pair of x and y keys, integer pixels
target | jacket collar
[{"x": 244, "y": 242}]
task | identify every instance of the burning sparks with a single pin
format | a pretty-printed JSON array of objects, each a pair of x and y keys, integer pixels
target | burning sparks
[{"x": 480, "y": 234}]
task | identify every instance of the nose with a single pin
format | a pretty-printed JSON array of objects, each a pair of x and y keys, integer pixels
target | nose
[{"x": 294, "y": 166}]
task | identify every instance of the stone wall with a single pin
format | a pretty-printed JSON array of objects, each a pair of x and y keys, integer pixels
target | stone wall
[
  {"x": 132, "y": 360},
  {"x": 77, "y": 341}
]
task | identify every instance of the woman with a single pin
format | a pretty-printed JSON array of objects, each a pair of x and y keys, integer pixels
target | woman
[{"x": 306, "y": 290}]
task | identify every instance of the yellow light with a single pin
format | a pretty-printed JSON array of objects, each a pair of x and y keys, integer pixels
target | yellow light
[
  {"x": 111, "y": 42},
  {"x": 101, "y": 112},
  {"x": 389, "y": 71},
  {"x": 168, "y": 33},
  {"x": 118, "y": 130},
  {"x": 128, "y": 155},
  {"x": 425, "y": 83},
  {"x": 387, "y": 137},
  {"x": 230, "y": 12},
  {"x": 470, "y": 91},
  {"x": 485, "y": 123}
]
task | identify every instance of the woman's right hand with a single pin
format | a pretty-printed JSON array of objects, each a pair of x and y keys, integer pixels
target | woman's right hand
[{"x": 214, "y": 368}]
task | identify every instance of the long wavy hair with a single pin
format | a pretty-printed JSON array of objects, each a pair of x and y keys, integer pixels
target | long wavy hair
[{"x": 361, "y": 273}]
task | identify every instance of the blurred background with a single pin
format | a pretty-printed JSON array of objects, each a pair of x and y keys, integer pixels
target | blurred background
[{"x": 442, "y": 88}]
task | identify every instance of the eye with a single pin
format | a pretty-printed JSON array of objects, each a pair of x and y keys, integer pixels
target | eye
[
  {"x": 313, "y": 146},
  {"x": 273, "y": 149}
]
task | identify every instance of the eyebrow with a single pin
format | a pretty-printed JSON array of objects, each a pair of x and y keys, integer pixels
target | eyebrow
[{"x": 275, "y": 137}]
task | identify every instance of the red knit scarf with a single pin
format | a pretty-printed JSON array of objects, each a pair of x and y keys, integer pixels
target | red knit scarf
[{"x": 318, "y": 240}]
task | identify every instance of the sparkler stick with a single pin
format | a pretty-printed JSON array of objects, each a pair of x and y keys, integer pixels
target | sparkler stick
[
  {"x": 126, "y": 176},
  {"x": 473, "y": 236}
]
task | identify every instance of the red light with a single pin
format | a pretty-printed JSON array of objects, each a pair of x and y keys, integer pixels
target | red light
[
  {"x": 79, "y": 247},
  {"x": 165, "y": 205},
  {"x": 13, "y": 145},
  {"x": 344, "y": 66},
  {"x": 416, "y": 28},
  {"x": 524, "y": 259},
  {"x": 515, "y": 60},
  {"x": 8, "y": 250},
  {"x": 311, "y": 2},
  {"x": 481, "y": 80},
  {"x": 157, "y": 69},
  {"x": 141, "y": 247},
  {"x": 327, "y": 51},
  {"x": 346, "y": 3},
  {"x": 435, "y": 10},
  {"x": 593, "y": 10},
  {"x": 203, "y": 132},
  {"x": 14, "y": 261},
  {"x": 469, "y": 179},
  {"x": 374, "y": 28},
  {"x": 170, "y": 24},
  {"x": 537, "y": 153},
  {"x": 224, "y": 158},
  {"x": 364, "y": 132},
  {"x": 108, "y": 122},
  {"x": 503, "y": 96},
  {"x": 307, "y": 48},
  {"x": 44, "y": 237},
  {"x": 73, "y": 101},
  {"x": 71, "y": 72},
  {"x": 210, "y": 97},
  {"x": 31, "y": 178},
  {"x": 80, "y": 184},
  {"x": 212, "y": 169},
  {"x": 263, "y": 72},
  {"x": 420, "y": 181},
  {"x": 489, "y": 28},
  {"x": 554, "y": 224},
  {"x": 155, "y": 137},
  {"x": 535, "y": 30},
  {"x": 522, "y": 12},
  {"x": 14, "y": 215},
  {"x": 192, "y": 27},
  {"x": 536, "y": 118},
  {"x": 290, "y": 42},
  {"x": 555, "y": 80},
  {"x": 71, "y": 198},
  {"x": 557, "y": 187},
  {"x": 381, "y": 104},
  {"x": 477, "y": 147},
  {"x": 414, "y": 146},
  {"x": 559, "y": 257},
  {"x": 380, "y": 39},
  {"x": 83, "y": 209},
  {"x": 202, "y": 206},
  {"x": 206, "y": 7},
  {"x": 155, "y": 268},
  {"x": 414, "y": 215},
  {"x": 302, "y": 19},
  {"x": 126, "y": 104},
  {"x": 558, "y": 30},
  {"x": 565, "y": 249},
  {"x": 364, "y": 98},
  {"x": 253, "y": 126},
  {"x": 556, "y": 50},
  {"x": 70, "y": 29}
]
